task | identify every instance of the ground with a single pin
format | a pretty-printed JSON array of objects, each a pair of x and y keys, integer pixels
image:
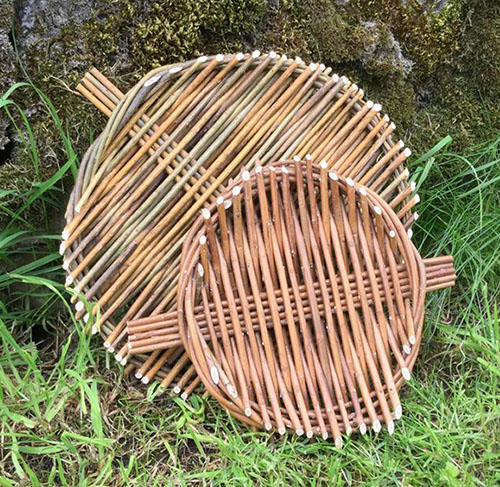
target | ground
[{"x": 68, "y": 415}]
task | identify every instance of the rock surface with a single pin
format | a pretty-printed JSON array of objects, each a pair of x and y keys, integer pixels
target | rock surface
[{"x": 434, "y": 65}]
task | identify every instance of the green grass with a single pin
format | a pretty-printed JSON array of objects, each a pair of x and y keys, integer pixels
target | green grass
[{"x": 69, "y": 417}]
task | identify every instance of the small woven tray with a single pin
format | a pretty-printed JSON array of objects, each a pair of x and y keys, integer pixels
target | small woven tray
[
  {"x": 172, "y": 144},
  {"x": 301, "y": 302}
]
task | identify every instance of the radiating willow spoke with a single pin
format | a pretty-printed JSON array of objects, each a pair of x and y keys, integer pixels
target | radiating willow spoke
[
  {"x": 321, "y": 342},
  {"x": 173, "y": 143}
]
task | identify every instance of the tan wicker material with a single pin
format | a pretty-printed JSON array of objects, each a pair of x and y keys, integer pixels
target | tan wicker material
[
  {"x": 301, "y": 301},
  {"x": 172, "y": 144},
  {"x": 161, "y": 331}
]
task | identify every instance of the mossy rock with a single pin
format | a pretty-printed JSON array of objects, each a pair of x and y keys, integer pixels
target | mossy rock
[{"x": 433, "y": 65}]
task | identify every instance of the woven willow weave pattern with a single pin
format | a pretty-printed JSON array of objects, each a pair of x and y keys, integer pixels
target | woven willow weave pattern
[
  {"x": 171, "y": 146},
  {"x": 301, "y": 301}
]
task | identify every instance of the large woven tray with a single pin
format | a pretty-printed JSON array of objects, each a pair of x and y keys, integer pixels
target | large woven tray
[{"x": 172, "y": 144}]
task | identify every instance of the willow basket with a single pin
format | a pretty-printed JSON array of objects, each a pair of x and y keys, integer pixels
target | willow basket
[
  {"x": 301, "y": 302},
  {"x": 172, "y": 144}
]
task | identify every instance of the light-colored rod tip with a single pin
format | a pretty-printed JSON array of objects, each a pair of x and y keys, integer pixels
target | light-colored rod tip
[
  {"x": 401, "y": 144},
  {"x": 308, "y": 157},
  {"x": 248, "y": 412},
  {"x": 417, "y": 198},
  {"x": 227, "y": 204},
  {"x": 362, "y": 428},
  {"x": 214, "y": 374},
  {"x": 377, "y": 210},
  {"x": 65, "y": 234},
  {"x": 203, "y": 240},
  {"x": 323, "y": 165},
  {"x": 111, "y": 349},
  {"x": 325, "y": 435},
  {"x": 298, "y": 59},
  {"x": 258, "y": 169},
  {"x": 348, "y": 430},
  {"x": 377, "y": 426},
  {"x": 152, "y": 81},
  {"x": 410, "y": 233},
  {"x": 284, "y": 170},
  {"x": 65, "y": 265},
  {"x": 322, "y": 67},
  {"x": 363, "y": 191},
  {"x": 184, "y": 395},
  {"x": 406, "y": 373},
  {"x": 350, "y": 182},
  {"x": 62, "y": 248},
  {"x": 309, "y": 433},
  {"x": 284, "y": 57},
  {"x": 369, "y": 104},
  {"x": 256, "y": 54},
  {"x": 413, "y": 185},
  {"x": 236, "y": 191},
  {"x": 313, "y": 66},
  {"x": 406, "y": 349},
  {"x": 205, "y": 214},
  {"x": 377, "y": 107},
  {"x": 86, "y": 318},
  {"x": 268, "y": 426},
  {"x": 138, "y": 375},
  {"x": 407, "y": 152},
  {"x": 412, "y": 339},
  {"x": 416, "y": 216},
  {"x": 390, "y": 427},
  {"x": 107, "y": 344},
  {"x": 69, "y": 280},
  {"x": 333, "y": 176},
  {"x": 282, "y": 431},
  {"x": 299, "y": 431},
  {"x": 386, "y": 119},
  {"x": 232, "y": 391},
  {"x": 202, "y": 59},
  {"x": 175, "y": 69},
  {"x": 145, "y": 380},
  {"x": 272, "y": 54},
  {"x": 219, "y": 57},
  {"x": 398, "y": 413},
  {"x": 245, "y": 176},
  {"x": 118, "y": 357},
  {"x": 79, "y": 306},
  {"x": 201, "y": 271},
  {"x": 392, "y": 234},
  {"x": 335, "y": 78},
  {"x": 220, "y": 200},
  {"x": 339, "y": 442},
  {"x": 94, "y": 329},
  {"x": 240, "y": 56},
  {"x": 296, "y": 158},
  {"x": 177, "y": 390}
]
